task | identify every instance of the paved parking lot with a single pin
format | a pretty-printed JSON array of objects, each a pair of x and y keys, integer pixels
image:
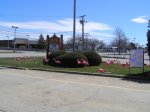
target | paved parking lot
[
  {"x": 41, "y": 54},
  {"x": 39, "y": 91},
  {"x": 10, "y": 54}
]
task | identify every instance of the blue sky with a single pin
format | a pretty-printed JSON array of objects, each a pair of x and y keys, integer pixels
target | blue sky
[{"x": 34, "y": 17}]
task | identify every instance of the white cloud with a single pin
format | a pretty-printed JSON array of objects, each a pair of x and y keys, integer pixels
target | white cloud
[
  {"x": 141, "y": 19},
  {"x": 102, "y": 34},
  {"x": 58, "y": 26},
  {"x": 64, "y": 26},
  {"x": 92, "y": 26}
]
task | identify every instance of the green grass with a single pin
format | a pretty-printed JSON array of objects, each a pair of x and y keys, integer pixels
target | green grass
[
  {"x": 7, "y": 52},
  {"x": 37, "y": 63}
]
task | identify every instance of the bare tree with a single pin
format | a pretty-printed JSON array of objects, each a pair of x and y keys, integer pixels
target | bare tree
[
  {"x": 120, "y": 41},
  {"x": 93, "y": 43},
  {"x": 131, "y": 45},
  {"x": 102, "y": 45},
  {"x": 77, "y": 44},
  {"x": 90, "y": 43}
]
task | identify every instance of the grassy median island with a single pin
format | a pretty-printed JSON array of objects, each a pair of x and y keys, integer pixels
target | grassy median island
[{"x": 37, "y": 63}]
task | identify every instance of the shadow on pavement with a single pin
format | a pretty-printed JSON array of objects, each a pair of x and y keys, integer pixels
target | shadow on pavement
[
  {"x": 2, "y": 67},
  {"x": 140, "y": 77}
]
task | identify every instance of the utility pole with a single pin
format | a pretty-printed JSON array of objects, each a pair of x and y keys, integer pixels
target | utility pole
[
  {"x": 14, "y": 37},
  {"x": 82, "y": 22},
  {"x": 148, "y": 39},
  {"x": 74, "y": 25}
]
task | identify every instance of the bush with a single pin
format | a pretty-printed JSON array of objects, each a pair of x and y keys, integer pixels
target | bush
[
  {"x": 71, "y": 59},
  {"x": 54, "y": 55},
  {"x": 93, "y": 58}
]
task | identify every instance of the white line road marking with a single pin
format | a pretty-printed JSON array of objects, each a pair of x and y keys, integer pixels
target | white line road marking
[{"x": 73, "y": 82}]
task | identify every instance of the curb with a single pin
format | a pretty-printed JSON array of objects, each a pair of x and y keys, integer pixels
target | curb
[{"x": 80, "y": 73}]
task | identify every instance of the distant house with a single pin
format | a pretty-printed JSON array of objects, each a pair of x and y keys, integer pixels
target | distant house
[
  {"x": 5, "y": 43},
  {"x": 20, "y": 43}
]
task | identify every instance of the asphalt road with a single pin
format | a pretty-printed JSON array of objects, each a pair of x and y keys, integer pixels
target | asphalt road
[{"x": 39, "y": 91}]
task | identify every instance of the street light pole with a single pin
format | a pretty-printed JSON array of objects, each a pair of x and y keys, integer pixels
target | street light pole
[
  {"x": 14, "y": 37},
  {"x": 28, "y": 42},
  {"x": 74, "y": 25}
]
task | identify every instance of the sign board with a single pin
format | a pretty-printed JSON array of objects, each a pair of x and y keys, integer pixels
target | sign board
[{"x": 137, "y": 58}]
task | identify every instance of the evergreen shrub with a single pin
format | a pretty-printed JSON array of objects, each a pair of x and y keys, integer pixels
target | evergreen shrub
[
  {"x": 93, "y": 58},
  {"x": 71, "y": 59},
  {"x": 54, "y": 56}
]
